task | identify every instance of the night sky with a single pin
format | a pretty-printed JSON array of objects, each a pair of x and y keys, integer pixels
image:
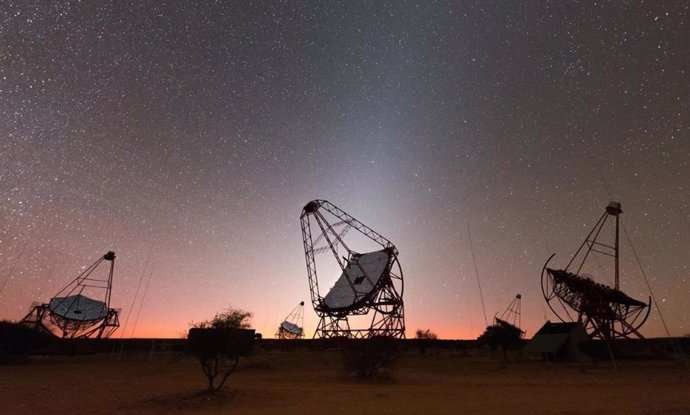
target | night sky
[{"x": 194, "y": 134}]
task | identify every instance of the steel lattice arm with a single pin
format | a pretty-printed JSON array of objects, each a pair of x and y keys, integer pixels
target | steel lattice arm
[{"x": 362, "y": 228}]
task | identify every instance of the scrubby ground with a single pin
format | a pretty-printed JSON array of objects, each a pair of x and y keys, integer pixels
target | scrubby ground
[{"x": 306, "y": 382}]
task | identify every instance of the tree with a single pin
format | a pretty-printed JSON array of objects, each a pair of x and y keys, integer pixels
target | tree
[
  {"x": 425, "y": 335},
  {"x": 425, "y": 338},
  {"x": 220, "y": 342},
  {"x": 502, "y": 334},
  {"x": 231, "y": 318}
]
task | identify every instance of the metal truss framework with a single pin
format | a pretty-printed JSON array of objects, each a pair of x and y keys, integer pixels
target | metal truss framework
[
  {"x": 44, "y": 318},
  {"x": 605, "y": 312},
  {"x": 384, "y": 302}
]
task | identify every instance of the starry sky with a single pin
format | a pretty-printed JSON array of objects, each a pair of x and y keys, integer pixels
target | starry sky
[{"x": 188, "y": 136}]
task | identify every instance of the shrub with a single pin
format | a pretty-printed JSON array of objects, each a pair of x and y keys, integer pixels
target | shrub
[{"x": 425, "y": 334}]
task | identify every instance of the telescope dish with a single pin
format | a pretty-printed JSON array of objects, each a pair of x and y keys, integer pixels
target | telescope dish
[
  {"x": 512, "y": 316},
  {"x": 77, "y": 307},
  {"x": 357, "y": 282},
  {"x": 73, "y": 313},
  {"x": 605, "y": 312},
  {"x": 505, "y": 331},
  {"x": 291, "y": 327},
  {"x": 370, "y": 283}
]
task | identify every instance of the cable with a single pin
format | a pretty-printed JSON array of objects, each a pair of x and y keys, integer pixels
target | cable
[
  {"x": 646, "y": 280},
  {"x": 476, "y": 271},
  {"x": 141, "y": 304},
  {"x": 674, "y": 346},
  {"x": 136, "y": 293}
]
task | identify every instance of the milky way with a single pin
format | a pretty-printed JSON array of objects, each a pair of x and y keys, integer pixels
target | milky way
[{"x": 195, "y": 133}]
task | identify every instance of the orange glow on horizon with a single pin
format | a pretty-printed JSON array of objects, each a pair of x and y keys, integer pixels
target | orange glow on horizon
[{"x": 165, "y": 332}]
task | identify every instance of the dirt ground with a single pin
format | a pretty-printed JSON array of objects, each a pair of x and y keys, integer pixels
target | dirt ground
[{"x": 314, "y": 382}]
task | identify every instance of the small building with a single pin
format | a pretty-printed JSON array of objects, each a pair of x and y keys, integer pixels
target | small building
[{"x": 559, "y": 342}]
